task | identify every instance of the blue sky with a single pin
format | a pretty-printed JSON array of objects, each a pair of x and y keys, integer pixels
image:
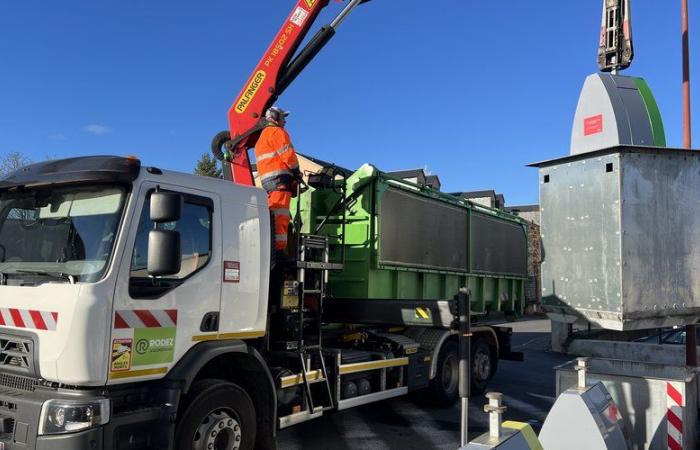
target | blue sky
[{"x": 472, "y": 90}]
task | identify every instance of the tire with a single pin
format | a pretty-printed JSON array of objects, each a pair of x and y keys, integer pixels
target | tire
[
  {"x": 445, "y": 386},
  {"x": 217, "y": 144},
  {"x": 219, "y": 413},
  {"x": 483, "y": 367}
]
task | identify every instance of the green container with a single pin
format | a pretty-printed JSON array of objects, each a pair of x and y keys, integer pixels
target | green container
[{"x": 408, "y": 242}]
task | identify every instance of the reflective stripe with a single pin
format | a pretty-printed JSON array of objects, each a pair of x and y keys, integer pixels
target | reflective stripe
[
  {"x": 275, "y": 173},
  {"x": 281, "y": 237},
  {"x": 274, "y": 153}
]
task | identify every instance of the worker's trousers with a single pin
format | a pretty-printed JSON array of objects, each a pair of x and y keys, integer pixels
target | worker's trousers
[{"x": 279, "y": 202}]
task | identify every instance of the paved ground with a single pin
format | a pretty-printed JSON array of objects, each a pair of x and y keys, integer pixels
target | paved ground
[{"x": 529, "y": 389}]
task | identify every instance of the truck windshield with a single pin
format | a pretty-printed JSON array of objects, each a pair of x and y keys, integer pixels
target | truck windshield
[{"x": 63, "y": 234}]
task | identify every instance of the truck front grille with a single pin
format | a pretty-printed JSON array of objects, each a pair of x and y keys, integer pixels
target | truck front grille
[
  {"x": 16, "y": 353},
  {"x": 18, "y": 383}
]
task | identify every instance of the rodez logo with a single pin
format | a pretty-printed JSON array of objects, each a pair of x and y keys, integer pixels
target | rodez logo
[
  {"x": 145, "y": 345},
  {"x": 142, "y": 346},
  {"x": 310, "y": 3}
]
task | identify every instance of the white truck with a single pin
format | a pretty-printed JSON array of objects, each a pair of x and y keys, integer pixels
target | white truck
[{"x": 135, "y": 314}]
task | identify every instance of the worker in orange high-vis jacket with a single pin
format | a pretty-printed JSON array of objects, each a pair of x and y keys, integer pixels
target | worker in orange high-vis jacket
[{"x": 278, "y": 171}]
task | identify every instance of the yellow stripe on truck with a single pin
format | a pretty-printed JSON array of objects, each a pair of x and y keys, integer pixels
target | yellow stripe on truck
[
  {"x": 138, "y": 373},
  {"x": 372, "y": 365},
  {"x": 294, "y": 380},
  {"x": 224, "y": 336},
  {"x": 526, "y": 431}
]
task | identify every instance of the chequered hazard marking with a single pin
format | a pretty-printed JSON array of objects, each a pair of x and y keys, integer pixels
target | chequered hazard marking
[
  {"x": 28, "y": 318},
  {"x": 145, "y": 318}
]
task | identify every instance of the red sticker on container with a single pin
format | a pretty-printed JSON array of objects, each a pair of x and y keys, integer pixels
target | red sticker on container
[
  {"x": 593, "y": 125},
  {"x": 232, "y": 272}
]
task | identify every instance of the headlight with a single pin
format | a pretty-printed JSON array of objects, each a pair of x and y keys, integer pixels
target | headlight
[{"x": 67, "y": 416}]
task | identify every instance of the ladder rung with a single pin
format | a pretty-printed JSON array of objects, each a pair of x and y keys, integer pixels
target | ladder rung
[
  {"x": 312, "y": 291},
  {"x": 314, "y": 241},
  {"x": 312, "y": 347},
  {"x": 313, "y": 244},
  {"x": 312, "y": 237},
  {"x": 313, "y": 376},
  {"x": 318, "y": 265},
  {"x": 303, "y": 416}
]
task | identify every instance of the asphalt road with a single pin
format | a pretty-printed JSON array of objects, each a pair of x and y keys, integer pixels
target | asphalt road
[{"x": 529, "y": 389}]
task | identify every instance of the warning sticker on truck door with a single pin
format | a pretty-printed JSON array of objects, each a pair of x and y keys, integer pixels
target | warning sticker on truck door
[{"x": 121, "y": 354}]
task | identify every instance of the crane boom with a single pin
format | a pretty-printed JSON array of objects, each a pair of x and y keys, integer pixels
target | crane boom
[
  {"x": 616, "y": 51},
  {"x": 274, "y": 73}
]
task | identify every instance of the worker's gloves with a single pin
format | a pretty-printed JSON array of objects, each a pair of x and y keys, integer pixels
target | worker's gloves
[{"x": 298, "y": 182}]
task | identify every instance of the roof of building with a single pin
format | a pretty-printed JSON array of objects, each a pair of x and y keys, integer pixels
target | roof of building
[
  {"x": 432, "y": 180},
  {"x": 476, "y": 194},
  {"x": 523, "y": 208}
]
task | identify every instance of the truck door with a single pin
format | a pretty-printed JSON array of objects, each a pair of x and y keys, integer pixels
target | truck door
[{"x": 154, "y": 320}]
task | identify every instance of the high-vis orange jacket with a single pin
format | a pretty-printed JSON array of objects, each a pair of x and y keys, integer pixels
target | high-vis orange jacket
[{"x": 276, "y": 159}]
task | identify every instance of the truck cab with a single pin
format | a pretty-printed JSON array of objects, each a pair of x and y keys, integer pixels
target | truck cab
[{"x": 78, "y": 307}]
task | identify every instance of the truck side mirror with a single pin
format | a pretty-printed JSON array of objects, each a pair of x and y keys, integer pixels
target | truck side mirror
[
  {"x": 164, "y": 253},
  {"x": 165, "y": 207}
]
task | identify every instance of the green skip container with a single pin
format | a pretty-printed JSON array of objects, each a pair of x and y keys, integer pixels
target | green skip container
[{"x": 408, "y": 242}]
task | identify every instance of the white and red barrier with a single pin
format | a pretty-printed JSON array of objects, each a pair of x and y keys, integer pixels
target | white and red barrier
[
  {"x": 29, "y": 319},
  {"x": 145, "y": 318},
  {"x": 674, "y": 415}
]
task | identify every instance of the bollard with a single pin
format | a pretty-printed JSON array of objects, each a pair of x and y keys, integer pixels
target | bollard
[
  {"x": 581, "y": 366},
  {"x": 505, "y": 435},
  {"x": 464, "y": 312},
  {"x": 495, "y": 410}
]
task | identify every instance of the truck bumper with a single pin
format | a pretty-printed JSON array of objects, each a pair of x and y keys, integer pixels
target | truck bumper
[
  {"x": 20, "y": 409},
  {"x": 85, "y": 440}
]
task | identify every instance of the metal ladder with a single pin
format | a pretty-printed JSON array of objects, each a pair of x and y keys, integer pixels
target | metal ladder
[{"x": 315, "y": 271}]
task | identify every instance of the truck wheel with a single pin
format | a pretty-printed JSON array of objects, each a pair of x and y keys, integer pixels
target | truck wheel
[
  {"x": 482, "y": 366},
  {"x": 217, "y": 415},
  {"x": 445, "y": 385}
]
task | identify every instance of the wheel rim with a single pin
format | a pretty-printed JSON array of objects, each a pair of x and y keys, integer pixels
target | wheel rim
[
  {"x": 450, "y": 373},
  {"x": 482, "y": 365},
  {"x": 219, "y": 430}
]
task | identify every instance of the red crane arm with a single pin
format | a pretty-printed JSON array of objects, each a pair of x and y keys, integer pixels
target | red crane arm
[{"x": 273, "y": 74}]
